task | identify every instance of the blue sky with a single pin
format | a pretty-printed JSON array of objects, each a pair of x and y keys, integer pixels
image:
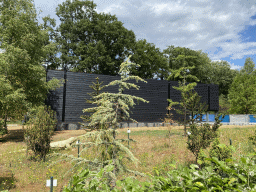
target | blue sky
[{"x": 224, "y": 29}]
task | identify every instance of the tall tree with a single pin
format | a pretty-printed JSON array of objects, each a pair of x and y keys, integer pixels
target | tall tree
[
  {"x": 90, "y": 41},
  {"x": 242, "y": 95},
  {"x": 97, "y": 89},
  {"x": 187, "y": 99},
  {"x": 151, "y": 60},
  {"x": 192, "y": 58},
  {"x": 107, "y": 115},
  {"x": 51, "y": 60},
  {"x": 12, "y": 101},
  {"x": 221, "y": 74},
  {"x": 23, "y": 42},
  {"x": 249, "y": 67}
]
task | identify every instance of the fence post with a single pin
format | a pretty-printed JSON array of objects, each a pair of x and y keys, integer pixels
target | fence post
[{"x": 51, "y": 185}]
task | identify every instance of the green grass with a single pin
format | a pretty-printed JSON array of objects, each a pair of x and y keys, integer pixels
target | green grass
[
  {"x": 158, "y": 133},
  {"x": 153, "y": 149}
]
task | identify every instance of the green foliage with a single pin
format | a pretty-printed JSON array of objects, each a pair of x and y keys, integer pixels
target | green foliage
[
  {"x": 233, "y": 176},
  {"x": 150, "y": 59},
  {"x": 111, "y": 105},
  {"x": 253, "y": 138},
  {"x": 242, "y": 94},
  {"x": 89, "y": 181},
  {"x": 90, "y": 41},
  {"x": 221, "y": 74},
  {"x": 97, "y": 89},
  {"x": 190, "y": 100},
  {"x": 40, "y": 131},
  {"x": 3, "y": 131},
  {"x": 12, "y": 102},
  {"x": 110, "y": 151},
  {"x": 178, "y": 56},
  {"x": 202, "y": 136},
  {"x": 24, "y": 45},
  {"x": 220, "y": 151}
]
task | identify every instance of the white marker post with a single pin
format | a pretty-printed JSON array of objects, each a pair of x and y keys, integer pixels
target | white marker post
[
  {"x": 128, "y": 131},
  {"x": 50, "y": 183},
  {"x": 77, "y": 142}
]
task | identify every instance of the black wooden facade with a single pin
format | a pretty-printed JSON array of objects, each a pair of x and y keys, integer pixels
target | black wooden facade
[{"x": 155, "y": 91}]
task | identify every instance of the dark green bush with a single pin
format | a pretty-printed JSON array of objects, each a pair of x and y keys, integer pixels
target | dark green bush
[
  {"x": 40, "y": 131},
  {"x": 220, "y": 151}
]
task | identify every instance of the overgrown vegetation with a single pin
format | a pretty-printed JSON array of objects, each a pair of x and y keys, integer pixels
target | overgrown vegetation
[
  {"x": 239, "y": 176},
  {"x": 40, "y": 131},
  {"x": 104, "y": 121},
  {"x": 157, "y": 155}
]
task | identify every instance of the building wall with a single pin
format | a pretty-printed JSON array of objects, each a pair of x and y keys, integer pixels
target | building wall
[{"x": 155, "y": 91}]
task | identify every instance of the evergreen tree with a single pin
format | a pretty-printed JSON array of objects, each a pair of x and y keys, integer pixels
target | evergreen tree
[
  {"x": 107, "y": 116},
  {"x": 186, "y": 99},
  {"x": 97, "y": 88}
]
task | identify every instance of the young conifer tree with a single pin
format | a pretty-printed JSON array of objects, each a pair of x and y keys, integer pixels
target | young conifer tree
[
  {"x": 110, "y": 150},
  {"x": 184, "y": 89},
  {"x": 97, "y": 89}
]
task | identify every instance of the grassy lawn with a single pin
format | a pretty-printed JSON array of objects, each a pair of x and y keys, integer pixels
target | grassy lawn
[{"x": 153, "y": 148}]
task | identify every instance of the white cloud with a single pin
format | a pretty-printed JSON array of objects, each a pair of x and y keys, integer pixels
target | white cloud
[{"x": 199, "y": 24}]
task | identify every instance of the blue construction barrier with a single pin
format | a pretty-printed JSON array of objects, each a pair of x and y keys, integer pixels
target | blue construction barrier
[{"x": 226, "y": 119}]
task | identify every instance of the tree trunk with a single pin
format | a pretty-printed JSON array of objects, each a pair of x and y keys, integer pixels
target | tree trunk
[{"x": 5, "y": 120}]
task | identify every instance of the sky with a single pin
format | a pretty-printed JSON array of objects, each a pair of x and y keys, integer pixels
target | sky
[{"x": 224, "y": 29}]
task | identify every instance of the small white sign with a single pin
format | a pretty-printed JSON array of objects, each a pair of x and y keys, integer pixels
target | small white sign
[
  {"x": 48, "y": 183},
  {"x": 128, "y": 131}
]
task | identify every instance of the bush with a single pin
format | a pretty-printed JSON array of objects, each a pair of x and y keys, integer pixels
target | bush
[
  {"x": 220, "y": 151},
  {"x": 202, "y": 136},
  {"x": 40, "y": 131},
  {"x": 236, "y": 176}
]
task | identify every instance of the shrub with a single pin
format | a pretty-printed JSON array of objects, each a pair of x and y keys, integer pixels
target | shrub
[
  {"x": 201, "y": 137},
  {"x": 236, "y": 176},
  {"x": 40, "y": 131},
  {"x": 220, "y": 151}
]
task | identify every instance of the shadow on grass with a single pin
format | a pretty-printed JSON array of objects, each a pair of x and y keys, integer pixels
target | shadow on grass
[{"x": 13, "y": 136}]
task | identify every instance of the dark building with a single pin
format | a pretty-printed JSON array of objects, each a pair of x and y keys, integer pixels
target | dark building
[{"x": 155, "y": 91}]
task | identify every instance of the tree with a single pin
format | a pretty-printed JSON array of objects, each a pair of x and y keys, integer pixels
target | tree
[
  {"x": 242, "y": 94},
  {"x": 52, "y": 47},
  {"x": 10, "y": 101},
  {"x": 97, "y": 88},
  {"x": 23, "y": 42},
  {"x": 150, "y": 58},
  {"x": 249, "y": 67},
  {"x": 221, "y": 74},
  {"x": 224, "y": 105},
  {"x": 192, "y": 58},
  {"x": 107, "y": 115},
  {"x": 90, "y": 41},
  {"x": 182, "y": 72},
  {"x": 40, "y": 130}
]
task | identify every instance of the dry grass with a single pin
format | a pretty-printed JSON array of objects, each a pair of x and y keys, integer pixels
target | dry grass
[{"x": 153, "y": 149}]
